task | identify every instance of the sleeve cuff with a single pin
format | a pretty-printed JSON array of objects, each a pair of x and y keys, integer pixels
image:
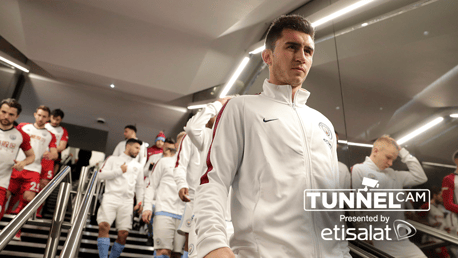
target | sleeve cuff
[
  {"x": 218, "y": 105},
  {"x": 210, "y": 244},
  {"x": 403, "y": 153}
]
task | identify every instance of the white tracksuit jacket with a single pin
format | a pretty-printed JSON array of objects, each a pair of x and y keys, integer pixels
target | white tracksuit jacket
[
  {"x": 162, "y": 189},
  {"x": 270, "y": 150},
  {"x": 391, "y": 179},
  {"x": 141, "y": 157},
  {"x": 188, "y": 168},
  {"x": 119, "y": 184}
]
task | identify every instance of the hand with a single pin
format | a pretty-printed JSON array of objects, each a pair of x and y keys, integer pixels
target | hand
[
  {"x": 184, "y": 193},
  {"x": 448, "y": 230},
  {"x": 47, "y": 155},
  {"x": 225, "y": 99},
  {"x": 139, "y": 207},
  {"x": 146, "y": 216},
  {"x": 124, "y": 167},
  {"x": 224, "y": 252},
  {"x": 19, "y": 166}
]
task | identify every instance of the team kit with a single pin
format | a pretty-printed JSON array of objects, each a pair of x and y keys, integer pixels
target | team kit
[{"x": 250, "y": 176}]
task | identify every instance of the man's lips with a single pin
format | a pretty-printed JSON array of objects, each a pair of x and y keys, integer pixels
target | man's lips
[{"x": 299, "y": 69}]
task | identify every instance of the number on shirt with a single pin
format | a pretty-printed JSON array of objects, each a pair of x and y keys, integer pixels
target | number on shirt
[{"x": 34, "y": 186}]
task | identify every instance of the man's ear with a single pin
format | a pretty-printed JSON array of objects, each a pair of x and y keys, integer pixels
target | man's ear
[{"x": 267, "y": 56}]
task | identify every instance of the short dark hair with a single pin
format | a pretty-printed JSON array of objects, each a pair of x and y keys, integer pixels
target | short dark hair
[
  {"x": 133, "y": 140},
  {"x": 44, "y": 108},
  {"x": 292, "y": 22},
  {"x": 435, "y": 190},
  {"x": 131, "y": 127},
  {"x": 57, "y": 112},
  {"x": 169, "y": 140},
  {"x": 12, "y": 103}
]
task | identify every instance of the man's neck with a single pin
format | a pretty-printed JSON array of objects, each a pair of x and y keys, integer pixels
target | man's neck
[
  {"x": 38, "y": 127},
  {"x": 4, "y": 128}
]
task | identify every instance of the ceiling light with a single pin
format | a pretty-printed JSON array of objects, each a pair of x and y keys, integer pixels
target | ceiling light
[
  {"x": 196, "y": 106},
  {"x": 360, "y": 144},
  {"x": 341, "y": 12},
  {"x": 454, "y": 115},
  {"x": 257, "y": 50},
  {"x": 439, "y": 165},
  {"x": 355, "y": 143},
  {"x": 420, "y": 130},
  {"x": 112, "y": 85},
  {"x": 14, "y": 64},
  {"x": 234, "y": 77},
  {"x": 365, "y": 24}
]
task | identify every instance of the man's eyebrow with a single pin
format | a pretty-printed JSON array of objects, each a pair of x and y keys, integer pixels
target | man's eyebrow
[{"x": 298, "y": 45}]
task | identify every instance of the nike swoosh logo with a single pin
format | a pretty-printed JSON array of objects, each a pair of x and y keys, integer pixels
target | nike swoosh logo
[{"x": 265, "y": 121}]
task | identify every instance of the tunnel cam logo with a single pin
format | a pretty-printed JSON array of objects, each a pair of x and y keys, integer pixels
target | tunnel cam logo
[
  {"x": 326, "y": 130},
  {"x": 401, "y": 224}
]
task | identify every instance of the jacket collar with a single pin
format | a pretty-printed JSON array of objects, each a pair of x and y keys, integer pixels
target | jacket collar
[
  {"x": 371, "y": 164},
  {"x": 125, "y": 156},
  {"x": 283, "y": 93}
]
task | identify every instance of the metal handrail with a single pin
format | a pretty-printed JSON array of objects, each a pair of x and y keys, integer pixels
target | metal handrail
[
  {"x": 72, "y": 243},
  {"x": 434, "y": 232},
  {"x": 58, "y": 220},
  {"x": 10, "y": 230},
  {"x": 83, "y": 174}
]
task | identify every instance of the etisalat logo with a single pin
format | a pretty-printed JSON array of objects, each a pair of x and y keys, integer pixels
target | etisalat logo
[{"x": 359, "y": 201}]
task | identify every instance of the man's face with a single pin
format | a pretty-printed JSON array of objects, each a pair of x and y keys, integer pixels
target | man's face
[
  {"x": 8, "y": 115},
  {"x": 133, "y": 149},
  {"x": 55, "y": 120},
  {"x": 160, "y": 144},
  {"x": 128, "y": 133},
  {"x": 41, "y": 117},
  {"x": 291, "y": 59},
  {"x": 167, "y": 147},
  {"x": 438, "y": 198},
  {"x": 384, "y": 157}
]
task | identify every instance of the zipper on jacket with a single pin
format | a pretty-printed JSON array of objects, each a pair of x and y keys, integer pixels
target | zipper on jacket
[{"x": 317, "y": 247}]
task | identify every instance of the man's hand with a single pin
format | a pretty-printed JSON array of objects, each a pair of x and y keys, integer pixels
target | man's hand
[
  {"x": 224, "y": 252},
  {"x": 225, "y": 99},
  {"x": 184, "y": 193},
  {"x": 47, "y": 155},
  {"x": 19, "y": 166},
  {"x": 146, "y": 216},
  {"x": 124, "y": 167},
  {"x": 139, "y": 207}
]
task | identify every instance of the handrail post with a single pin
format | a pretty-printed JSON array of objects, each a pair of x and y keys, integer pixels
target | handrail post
[
  {"x": 79, "y": 191},
  {"x": 72, "y": 243},
  {"x": 10, "y": 230},
  {"x": 58, "y": 219}
]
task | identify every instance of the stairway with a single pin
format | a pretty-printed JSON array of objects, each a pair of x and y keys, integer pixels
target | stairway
[{"x": 35, "y": 235}]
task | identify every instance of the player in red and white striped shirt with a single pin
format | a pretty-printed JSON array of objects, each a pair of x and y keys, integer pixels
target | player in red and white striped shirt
[
  {"x": 27, "y": 182},
  {"x": 11, "y": 139}
]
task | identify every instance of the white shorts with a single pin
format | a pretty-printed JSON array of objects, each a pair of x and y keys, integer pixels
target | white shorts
[
  {"x": 117, "y": 209},
  {"x": 185, "y": 225},
  {"x": 192, "y": 240},
  {"x": 165, "y": 234}
]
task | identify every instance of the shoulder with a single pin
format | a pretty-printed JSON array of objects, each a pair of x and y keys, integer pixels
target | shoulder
[{"x": 319, "y": 115}]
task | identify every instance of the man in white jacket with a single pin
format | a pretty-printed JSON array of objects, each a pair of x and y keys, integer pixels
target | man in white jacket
[
  {"x": 191, "y": 165},
  {"x": 161, "y": 192},
  {"x": 123, "y": 177},
  {"x": 270, "y": 148},
  {"x": 377, "y": 167},
  {"x": 130, "y": 132}
]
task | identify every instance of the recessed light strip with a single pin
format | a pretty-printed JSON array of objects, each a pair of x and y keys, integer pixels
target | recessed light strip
[
  {"x": 439, "y": 165},
  {"x": 14, "y": 64},
  {"x": 454, "y": 115},
  {"x": 341, "y": 12},
  {"x": 196, "y": 106},
  {"x": 420, "y": 130},
  {"x": 234, "y": 77}
]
